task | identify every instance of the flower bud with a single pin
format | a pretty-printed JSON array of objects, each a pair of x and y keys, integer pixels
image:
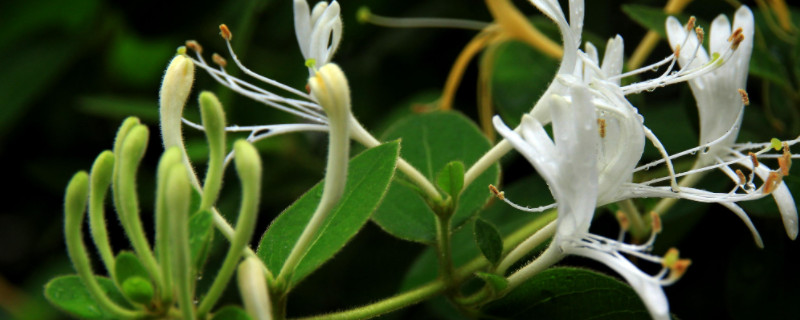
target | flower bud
[
  {"x": 175, "y": 90},
  {"x": 253, "y": 288}
]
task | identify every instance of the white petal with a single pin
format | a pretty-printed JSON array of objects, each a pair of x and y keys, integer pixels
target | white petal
[
  {"x": 612, "y": 58},
  {"x": 720, "y": 32},
  {"x": 647, "y": 287},
  {"x": 675, "y": 32},
  {"x": 743, "y": 215},
  {"x": 302, "y": 26}
]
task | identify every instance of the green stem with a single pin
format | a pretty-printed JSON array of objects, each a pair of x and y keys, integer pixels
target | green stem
[
  {"x": 438, "y": 286},
  {"x": 443, "y": 247},
  {"x": 527, "y": 246},
  {"x": 387, "y": 305},
  {"x": 358, "y": 133}
]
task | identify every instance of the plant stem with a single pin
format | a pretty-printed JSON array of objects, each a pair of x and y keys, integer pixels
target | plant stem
[
  {"x": 443, "y": 247},
  {"x": 489, "y": 158},
  {"x": 358, "y": 133}
]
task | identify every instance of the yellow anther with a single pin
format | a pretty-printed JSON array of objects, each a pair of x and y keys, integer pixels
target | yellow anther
[
  {"x": 601, "y": 126},
  {"x": 735, "y": 34},
  {"x": 497, "y": 193},
  {"x": 700, "y": 34},
  {"x": 679, "y": 268},
  {"x": 773, "y": 180},
  {"x": 219, "y": 60},
  {"x": 745, "y": 97},
  {"x": 742, "y": 178},
  {"x": 624, "y": 222},
  {"x": 678, "y": 50},
  {"x": 655, "y": 221},
  {"x": 690, "y": 23},
  {"x": 776, "y": 144},
  {"x": 670, "y": 258},
  {"x": 194, "y": 46},
  {"x": 225, "y": 32}
]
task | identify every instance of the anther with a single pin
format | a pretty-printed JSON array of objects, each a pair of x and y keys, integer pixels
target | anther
[
  {"x": 601, "y": 125},
  {"x": 624, "y": 222},
  {"x": 219, "y": 60},
  {"x": 655, "y": 221},
  {"x": 679, "y": 268},
  {"x": 678, "y": 50},
  {"x": 735, "y": 34},
  {"x": 737, "y": 41},
  {"x": 742, "y": 179},
  {"x": 670, "y": 258},
  {"x": 753, "y": 159},
  {"x": 773, "y": 180},
  {"x": 194, "y": 46},
  {"x": 785, "y": 161},
  {"x": 690, "y": 24},
  {"x": 745, "y": 97},
  {"x": 497, "y": 193},
  {"x": 225, "y": 32},
  {"x": 700, "y": 34}
]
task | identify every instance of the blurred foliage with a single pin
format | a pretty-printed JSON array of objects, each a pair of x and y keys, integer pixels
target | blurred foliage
[{"x": 73, "y": 69}]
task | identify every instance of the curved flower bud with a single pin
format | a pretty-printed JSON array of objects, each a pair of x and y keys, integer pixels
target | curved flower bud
[{"x": 175, "y": 90}]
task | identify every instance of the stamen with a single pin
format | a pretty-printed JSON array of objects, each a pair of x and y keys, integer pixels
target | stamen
[
  {"x": 690, "y": 23},
  {"x": 497, "y": 193},
  {"x": 670, "y": 258},
  {"x": 700, "y": 34},
  {"x": 754, "y": 159},
  {"x": 219, "y": 60},
  {"x": 745, "y": 97},
  {"x": 742, "y": 178},
  {"x": 737, "y": 41},
  {"x": 678, "y": 50},
  {"x": 364, "y": 15},
  {"x": 624, "y": 222},
  {"x": 785, "y": 161},
  {"x": 735, "y": 34},
  {"x": 773, "y": 180},
  {"x": 225, "y": 32},
  {"x": 655, "y": 221},
  {"x": 678, "y": 269},
  {"x": 601, "y": 125},
  {"x": 194, "y": 46}
]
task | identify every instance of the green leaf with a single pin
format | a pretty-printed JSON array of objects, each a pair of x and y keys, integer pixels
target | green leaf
[
  {"x": 138, "y": 289},
  {"x": 521, "y": 74},
  {"x": 200, "y": 235},
  {"x": 765, "y": 65},
  {"x": 231, "y": 313},
  {"x": 488, "y": 240},
  {"x": 431, "y": 141},
  {"x": 497, "y": 282},
  {"x": 451, "y": 178},
  {"x": 569, "y": 293},
  {"x": 132, "y": 277},
  {"x": 368, "y": 179},
  {"x": 127, "y": 265},
  {"x": 70, "y": 295}
]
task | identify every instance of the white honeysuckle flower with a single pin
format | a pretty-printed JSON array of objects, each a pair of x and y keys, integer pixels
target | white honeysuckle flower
[
  {"x": 568, "y": 163},
  {"x": 720, "y": 101},
  {"x": 318, "y": 31}
]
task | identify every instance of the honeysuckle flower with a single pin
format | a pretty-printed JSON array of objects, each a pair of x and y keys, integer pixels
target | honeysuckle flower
[
  {"x": 623, "y": 130},
  {"x": 721, "y": 99},
  {"x": 569, "y": 165},
  {"x": 318, "y": 31}
]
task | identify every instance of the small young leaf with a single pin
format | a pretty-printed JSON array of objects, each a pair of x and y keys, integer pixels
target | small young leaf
[
  {"x": 138, "y": 289},
  {"x": 569, "y": 293},
  {"x": 231, "y": 313},
  {"x": 429, "y": 142},
  {"x": 488, "y": 240},
  {"x": 369, "y": 175},
  {"x": 451, "y": 178},
  {"x": 497, "y": 282},
  {"x": 70, "y": 295}
]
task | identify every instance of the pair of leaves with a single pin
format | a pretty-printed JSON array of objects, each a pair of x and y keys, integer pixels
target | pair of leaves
[
  {"x": 439, "y": 145},
  {"x": 368, "y": 178}
]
